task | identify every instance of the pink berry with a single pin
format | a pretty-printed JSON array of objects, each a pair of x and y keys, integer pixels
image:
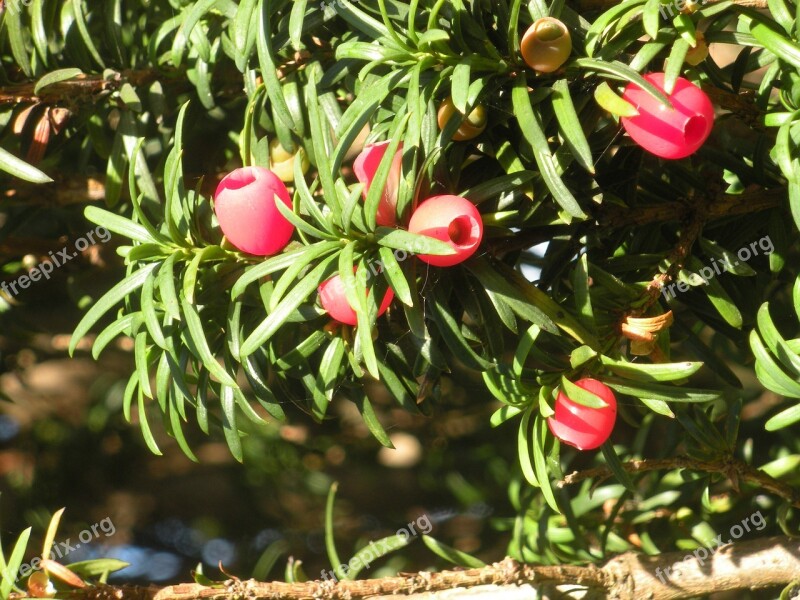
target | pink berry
[
  {"x": 245, "y": 204},
  {"x": 669, "y": 133},
  {"x": 581, "y": 426},
  {"x": 333, "y": 297},
  {"x": 366, "y": 165},
  {"x": 451, "y": 219}
]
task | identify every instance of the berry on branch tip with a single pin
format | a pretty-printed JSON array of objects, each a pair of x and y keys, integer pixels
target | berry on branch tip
[
  {"x": 246, "y": 207},
  {"x": 584, "y": 427}
]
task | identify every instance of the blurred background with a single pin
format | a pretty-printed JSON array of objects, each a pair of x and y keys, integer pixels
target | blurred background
[{"x": 65, "y": 442}]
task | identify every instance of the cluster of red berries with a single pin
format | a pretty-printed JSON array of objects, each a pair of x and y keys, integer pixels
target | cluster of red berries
[
  {"x": 246, "y": 205},
  {"x": 667, "y": 132}
]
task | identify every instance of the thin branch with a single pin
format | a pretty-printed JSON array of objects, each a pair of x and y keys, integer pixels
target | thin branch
[
  {"x": 749, "y": 565},
  {"x": 617, "y": 217},
  {"x": 93, "y": 87},
  {"x": 733, "y": 468},
  {"x": 696, "y": 213},
  {"x": 726, "y": 205}
]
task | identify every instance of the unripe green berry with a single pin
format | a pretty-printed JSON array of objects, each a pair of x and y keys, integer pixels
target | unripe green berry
[
  {"x": 470, "y": 128},
  {"x": 281, "y": 162}
]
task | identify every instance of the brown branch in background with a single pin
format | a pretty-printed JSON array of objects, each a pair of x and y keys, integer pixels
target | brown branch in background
[
  {"x": 733, "y": 468},
  {"x": 82, "y": 87},
  {"x": 92, "y": 87},
  {"x": 742, "y": 104},
  {"x": 749, "y": 565},
  {"x": 696, "y": 213},
  {"x": 617, "y": 217},
  {"x": 726, "y": 205},
  {"x": 676, "y": 258},
  {"x": 64, "y": 191}
]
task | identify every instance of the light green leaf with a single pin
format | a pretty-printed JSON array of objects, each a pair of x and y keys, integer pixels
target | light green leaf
[
  {"x": 452, "y": 555},
  {"x": 115, "y": 295},
  {"x": 19, "y": 168},
  {"x": 54, "y": 77}
]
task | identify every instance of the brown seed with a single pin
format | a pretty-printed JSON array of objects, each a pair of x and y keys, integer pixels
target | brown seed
[
  {"x": 41, "y": 137},
  {"x": 58, "y": 118}
]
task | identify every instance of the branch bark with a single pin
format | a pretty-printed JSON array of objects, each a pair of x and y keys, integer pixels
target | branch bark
[
  {"x": 618, "y": 217},
  {"x": 749, "y": 565},
  {"x": 72, "y": 91}
]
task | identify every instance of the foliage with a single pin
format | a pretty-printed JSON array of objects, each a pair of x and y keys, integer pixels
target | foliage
[
  {"x": 51, "y": 577},
  {"x": 178, "y": 88}
]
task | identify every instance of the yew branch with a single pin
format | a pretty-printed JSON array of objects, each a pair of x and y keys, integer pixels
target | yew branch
[{"x": 748, "y": 565}]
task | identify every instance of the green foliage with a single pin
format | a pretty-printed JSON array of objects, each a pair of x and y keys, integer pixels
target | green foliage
[
  {"x": 63, "y": 577},
  {"x": 181, "y": 88}
]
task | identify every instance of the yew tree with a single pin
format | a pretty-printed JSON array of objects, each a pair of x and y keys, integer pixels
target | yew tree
[{"x": 591, "y": 206}]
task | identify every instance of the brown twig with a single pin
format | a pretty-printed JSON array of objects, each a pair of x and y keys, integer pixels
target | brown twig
[
  {"x": 93, "y": 87},
  {"x": 695, "y": 214},
  {"x": 742, "y": 104},
  {"x": 733, "y": 468},
  {"x": 749, "y": 565},
  {"x": 677, "y": 257}
]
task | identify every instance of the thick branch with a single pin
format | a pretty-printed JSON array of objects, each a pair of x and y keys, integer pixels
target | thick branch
[
  {"x": 91, "y": 87},
  {"x": 749, "y": 565},
  {"x": 735, "y": 469},
  {"x": 83, "y": 87}
]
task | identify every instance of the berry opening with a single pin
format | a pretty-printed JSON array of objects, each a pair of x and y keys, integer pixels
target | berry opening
[
  {"x": 695, "y": 129},
  {"x": 460, "y": 230},
  {"x": 240, "y": 179},
  {"x": 548, "y": 31}
]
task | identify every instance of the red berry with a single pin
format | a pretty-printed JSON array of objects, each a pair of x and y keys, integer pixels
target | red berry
[
  {"x": 333, "y": 297},
  {"x": 451, "y": 219},
  {"x": 669, "y": 133},
  {"x": 366, "y": 165},
  {"x": 581, "y": 426},
  {"x": 245, "y": 205}
]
